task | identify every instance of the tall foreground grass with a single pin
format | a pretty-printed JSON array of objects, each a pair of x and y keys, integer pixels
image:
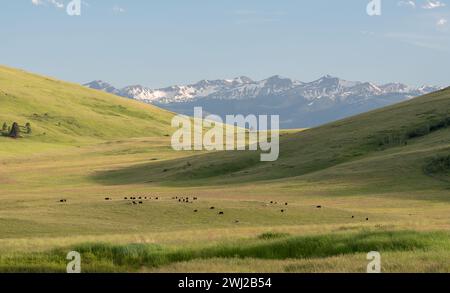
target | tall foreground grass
[{"x": 103, "y": 257}]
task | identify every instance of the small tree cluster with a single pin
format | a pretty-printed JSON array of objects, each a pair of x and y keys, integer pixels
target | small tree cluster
[{"x": 15, "y": 129}]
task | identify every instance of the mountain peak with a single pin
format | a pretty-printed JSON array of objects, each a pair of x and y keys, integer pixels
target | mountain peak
[
  {"x": 97, "y": 83},
  {"x": 243, "y": 80},
  {"x": 329, "y": 76}
]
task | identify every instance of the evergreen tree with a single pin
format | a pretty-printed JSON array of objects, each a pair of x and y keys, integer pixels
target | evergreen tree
[
  {"x": 28, "y": 128},
  {"x": 15, "y": 131}
]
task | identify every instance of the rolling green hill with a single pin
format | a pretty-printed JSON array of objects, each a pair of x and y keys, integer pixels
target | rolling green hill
[
  {"x": 65, "y": 113},
  {"x": 409, "y": 135}
]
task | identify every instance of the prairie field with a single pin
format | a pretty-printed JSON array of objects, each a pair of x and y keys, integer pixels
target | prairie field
[{"x": 375, "y": 182}]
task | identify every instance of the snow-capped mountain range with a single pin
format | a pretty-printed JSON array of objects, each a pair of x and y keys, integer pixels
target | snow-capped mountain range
[{"x": 300, "y": 104}]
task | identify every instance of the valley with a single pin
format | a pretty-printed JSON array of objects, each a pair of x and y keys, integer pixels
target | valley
[{"x": 337, "y": 191}]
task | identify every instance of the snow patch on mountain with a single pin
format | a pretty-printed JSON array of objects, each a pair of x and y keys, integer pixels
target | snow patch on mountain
[{"x": 243, "y": 88}]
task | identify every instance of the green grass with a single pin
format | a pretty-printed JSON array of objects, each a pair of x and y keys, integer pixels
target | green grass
[
  {"x": 65, "y": 113},
  {"x": 272, "y": 235},
  {"x": 96, "y": 145},
  {"x": 132, "y": 257}
]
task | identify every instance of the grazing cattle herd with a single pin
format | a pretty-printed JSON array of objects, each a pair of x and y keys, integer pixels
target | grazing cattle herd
[{"x": 139, "y": 200}]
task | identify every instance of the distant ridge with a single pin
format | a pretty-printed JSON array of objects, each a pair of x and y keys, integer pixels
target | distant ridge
[{"x": 300, "y": 104}]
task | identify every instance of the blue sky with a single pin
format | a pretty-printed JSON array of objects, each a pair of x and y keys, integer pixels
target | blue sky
[{"x": 158, "y": 43}]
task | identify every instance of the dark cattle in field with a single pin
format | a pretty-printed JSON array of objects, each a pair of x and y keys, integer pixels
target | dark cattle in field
[
  {"x": 367, "y": 219},
  {"x": 286, "y": 204},
  {"x": 319, "y": 207},
  {"x": 271, "y": 202},
  {"x": 107, "y": 198},
  {"x": 195, "y": 211},
  {"x": 125, "y": 198},
  {"x": 282, "y": 211},
  {"x": 221, "y": 213},
  {"x": 353, "y": 217},
  {"x": 63, "y": 200},
  {"x": 141, "y": 202},
  {"x": 212, "y": 208}
]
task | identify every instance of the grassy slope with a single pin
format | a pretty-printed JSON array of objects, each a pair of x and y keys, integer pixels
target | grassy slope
[
  {"x": 387, "y": 136},
  {"x": 64, "y": 113},
  {"x": 341, "y": 166}
]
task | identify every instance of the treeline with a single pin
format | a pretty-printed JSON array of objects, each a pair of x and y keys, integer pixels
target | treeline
[
  {"x": 15, "y": 130},
  {"x": 401, "y": 137}
]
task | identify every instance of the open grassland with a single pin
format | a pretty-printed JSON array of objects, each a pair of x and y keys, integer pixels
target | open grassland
[
  {"x": 378, "y": 181},
  {"x": 319, "y": 251}
]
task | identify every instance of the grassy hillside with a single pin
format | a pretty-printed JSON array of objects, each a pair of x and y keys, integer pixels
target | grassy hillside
[
  {"x": 410, "y": 134},
  {"x": 65, "y": 113}
]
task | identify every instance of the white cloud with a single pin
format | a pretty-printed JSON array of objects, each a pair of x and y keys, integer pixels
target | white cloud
[
  {"x": 431, "y": 4},
  {"x": 442, "y": 22},
  {"x": 368, "y": 33},
  {"x": 56, "y": 3},
  {"x": 37, "y": 2},
  {"x": 118, "y": 9},
  {"x": 410, "y": 4}
]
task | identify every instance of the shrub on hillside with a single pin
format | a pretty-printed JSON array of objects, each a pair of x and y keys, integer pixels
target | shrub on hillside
[
  {"x": 15, "y": 131},
  {"x": 438, "y": 165},
  {"x": 28, "y": 128}
]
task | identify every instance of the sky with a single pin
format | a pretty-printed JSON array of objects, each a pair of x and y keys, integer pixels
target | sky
[{"x": 158, "y": 43}]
